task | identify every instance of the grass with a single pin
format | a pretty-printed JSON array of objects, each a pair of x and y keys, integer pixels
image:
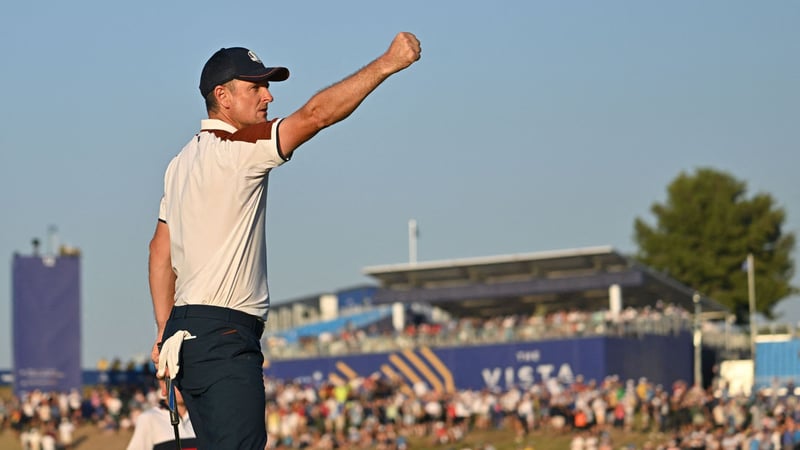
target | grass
[
  {"x": 89, "y": 437},
  {"x": 536, "y": 440}
]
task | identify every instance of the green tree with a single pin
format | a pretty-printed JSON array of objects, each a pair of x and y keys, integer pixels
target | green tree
[{"x": 705, "y": 230}]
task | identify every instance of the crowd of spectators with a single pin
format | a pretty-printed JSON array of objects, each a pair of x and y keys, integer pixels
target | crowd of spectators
[
  {"x": 660, "y": 319},
  {"x": 384, "y": 414},
  {"x": 376, "y": 413},
  {"x": 371, "y": 413},
  {"x": 48, "y": 420}
]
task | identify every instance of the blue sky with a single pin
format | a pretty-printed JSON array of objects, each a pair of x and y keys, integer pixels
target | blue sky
[{"x": 526, "y": 126}]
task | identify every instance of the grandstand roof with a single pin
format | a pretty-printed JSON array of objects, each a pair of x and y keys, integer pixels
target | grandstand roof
[{"x": 521, "y": 283}]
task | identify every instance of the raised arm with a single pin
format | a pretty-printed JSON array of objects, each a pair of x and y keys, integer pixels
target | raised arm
[
  {"x": 338, "y": 101},
  {"x": 162, "y": 281}
]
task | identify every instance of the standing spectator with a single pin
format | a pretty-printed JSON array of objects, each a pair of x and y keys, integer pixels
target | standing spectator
[
  {"x": 153, "y": 429},
  {"x": 66, "y": 431},
  {"x": 787, "y": 436}
]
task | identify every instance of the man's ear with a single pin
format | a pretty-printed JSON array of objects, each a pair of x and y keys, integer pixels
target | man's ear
[{"x": 223, "y": 96}]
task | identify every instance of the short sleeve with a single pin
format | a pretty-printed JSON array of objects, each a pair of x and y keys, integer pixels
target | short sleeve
[{"x": 162, "y": 210}]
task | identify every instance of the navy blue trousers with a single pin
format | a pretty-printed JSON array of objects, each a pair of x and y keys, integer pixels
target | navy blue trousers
[{"x": 221, "y": 376}]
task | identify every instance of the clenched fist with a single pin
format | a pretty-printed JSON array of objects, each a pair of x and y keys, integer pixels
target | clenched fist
[{"x": 404, "y": 51}]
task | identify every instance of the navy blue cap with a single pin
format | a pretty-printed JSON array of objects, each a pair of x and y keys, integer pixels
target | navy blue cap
[{"x": 237, "y": 63}]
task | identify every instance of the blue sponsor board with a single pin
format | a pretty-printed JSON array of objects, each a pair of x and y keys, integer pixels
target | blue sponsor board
[
  {"x": 661, "y": 359},
  {"x": 777, "y": 363},
  {"x": 46, "y": 323}
]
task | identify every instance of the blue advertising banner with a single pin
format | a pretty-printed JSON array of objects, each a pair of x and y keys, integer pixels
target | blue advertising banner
[
  {"x": 777, "y": 362},
  {"x": 661, "y": 359},
  {"x": 46, "y": 323}
]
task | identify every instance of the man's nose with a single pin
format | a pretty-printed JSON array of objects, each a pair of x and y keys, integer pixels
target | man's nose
[{"x": 266, "y": 95}]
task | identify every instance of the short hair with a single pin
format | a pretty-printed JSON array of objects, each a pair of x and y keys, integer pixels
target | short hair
[{"x": 211, "y": 100}]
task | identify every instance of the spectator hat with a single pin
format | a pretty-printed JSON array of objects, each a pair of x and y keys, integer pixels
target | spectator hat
[{"x": 237, "y": 63}]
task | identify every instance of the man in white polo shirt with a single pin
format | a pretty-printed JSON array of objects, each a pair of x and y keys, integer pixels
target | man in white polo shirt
[
  {"x": 207, "y": 267},
  {"x": 153, "y": 429}
]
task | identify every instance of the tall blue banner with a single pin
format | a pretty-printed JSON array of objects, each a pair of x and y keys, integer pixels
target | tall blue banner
[{"x": 47, "y": 323}]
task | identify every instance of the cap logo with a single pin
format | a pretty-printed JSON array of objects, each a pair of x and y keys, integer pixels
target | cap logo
[{"x": 253, "y": 57}]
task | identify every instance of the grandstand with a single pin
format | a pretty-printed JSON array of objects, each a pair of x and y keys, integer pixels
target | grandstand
[
  {"x": 542, "y": 311},
  {"x": 588, "y": 279}
]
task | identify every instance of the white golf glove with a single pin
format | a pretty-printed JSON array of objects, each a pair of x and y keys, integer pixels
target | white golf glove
[{"x": 170, "y": 350}]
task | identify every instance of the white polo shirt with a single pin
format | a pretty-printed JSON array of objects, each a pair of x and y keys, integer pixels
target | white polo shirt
[
  {"x": 214, "y": 203},
  {"x": 153, "y": 431}
]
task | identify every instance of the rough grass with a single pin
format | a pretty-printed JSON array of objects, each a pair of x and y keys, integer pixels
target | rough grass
[{"x": 89, "y": 437}]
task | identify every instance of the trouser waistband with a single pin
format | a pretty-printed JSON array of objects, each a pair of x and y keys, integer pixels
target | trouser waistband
[{"x": 256, "y": 324}]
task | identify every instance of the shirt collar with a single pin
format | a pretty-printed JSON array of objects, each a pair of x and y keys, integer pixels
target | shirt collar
[{"x": 216, "y": 124}]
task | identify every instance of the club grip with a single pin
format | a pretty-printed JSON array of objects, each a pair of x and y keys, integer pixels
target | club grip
[{"x": 174, "y": 418}]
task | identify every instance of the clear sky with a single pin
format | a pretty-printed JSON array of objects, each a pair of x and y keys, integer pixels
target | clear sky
[{"x": 526, "y": 126}]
